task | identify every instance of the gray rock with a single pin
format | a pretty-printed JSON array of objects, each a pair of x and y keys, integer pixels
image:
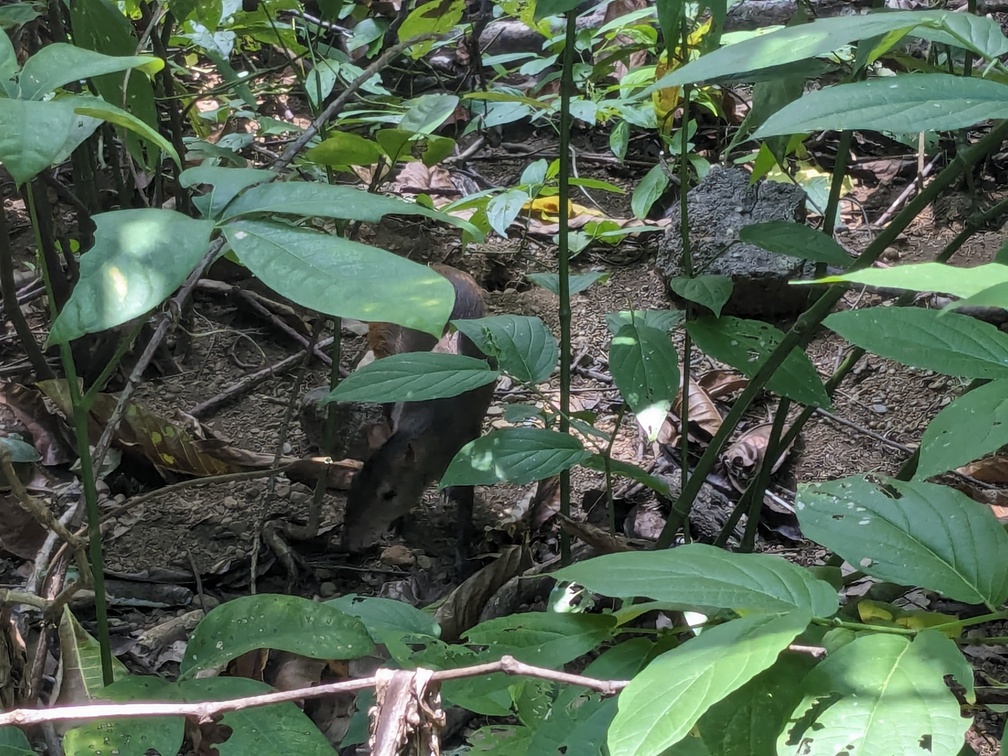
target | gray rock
[{"x": 719, "y": 207}]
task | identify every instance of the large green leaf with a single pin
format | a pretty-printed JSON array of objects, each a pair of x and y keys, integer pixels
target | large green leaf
[
  {"x": 546, "y": 639},
  {"x": 745, "y": 60},
  {"x": 225, "y": 185},
  {"x": 340, "y": 277},
  {"x": 701, "y": 575},
  {"x": 95, "y": 107},
  {"x": 710, "y": 291},
  {"x": 516, "y": 455},
  {"x": 308, "y": 199},
  {"x": 928, "y": 276},
  {"x": 139, "y": 258},
  {"x": 941, "y": 341},
  {"x": 905, "y": 104},
  {"x": 37, "y": 135},
  {"x": 131, "y": 734},
  {"x": 645, "y": 366},
  {"x": 414, "y": 377},
  {"x": 523, "y": 346},
  {"x": 287, "y": 623},
  {"x": 13, "y": 742},
  {"x": 662, "y": 704},
  {"x": 58, "y": 64},
  {"x": 972, "y": 426},
  {"x": 746, "y": 345},
  {"x": 278, "y": 728},
  {"x": 911, "y": 534},
  {"x": 882, "y": 694},
  {"x": 796, "y": 240},
  {"x": 749, "y": 720}
]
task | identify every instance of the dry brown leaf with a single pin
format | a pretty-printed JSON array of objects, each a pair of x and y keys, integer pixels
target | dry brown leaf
[
  {"x": 990, "y": 470},
  {"x": 721, "y": 383},
  {"x": 744, "y": 456}
]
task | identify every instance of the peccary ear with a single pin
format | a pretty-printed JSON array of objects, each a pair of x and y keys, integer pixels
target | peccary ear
[{"x": 378, "y": 434}]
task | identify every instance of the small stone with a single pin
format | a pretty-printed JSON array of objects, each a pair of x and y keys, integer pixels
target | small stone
[
  {"x": 230, "y": 502},
  {"x": 237, "y": 527},
  {"x": 327, "y": 589},
  {"x": 879, "y": 409}
]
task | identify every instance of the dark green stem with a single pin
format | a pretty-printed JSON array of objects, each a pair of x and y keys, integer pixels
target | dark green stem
[{"x": 563, "y": 264}]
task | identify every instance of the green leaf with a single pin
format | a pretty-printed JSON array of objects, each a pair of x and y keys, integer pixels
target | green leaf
[
  {"x": 698, "y": 575},
  {"x": 619, "y": 139},
  {"x": 278, "y": 728},
  {"x": 8, "y": 59},
  {"x": 226, "y": 183},
  {"x": 796, "y": 240},
  {"x": 546, "y": 639},
  {"x": 928, "y": 276},
  {"x": 131, "y": 735},
  {"x": 383, "y": 617},
  {"x": 947, "y": 343},
  {"x": 645, "y": 367},
  {"x": 746, "y": 345},
  {"x": 139, "y": 258},
  {"x": 905, "y": 104},
  {"x": 58, "y": 64},
  {"x": 662, "y": 704},
  {"x": 882, "y": 694},
  {"x": 904, "y": 533},
  {"x": 744, "y": 60},
  {"x": 750, "y": 719},
  {"x": 971, "y": 427},
  {"x": 95, "y": 107},
  {"x": 413, "y": 377},
  {"x": 547, "y": 8},
  {"x": 13, "y": 742},
  {"x": 18, "y": 14},
  {"x": 712, "y": 292},
  {"x": 37, "y": 135},
  {"x": 310, "y": 199},
  {"x": 516, "y": 455},
  {"x": 436, "y": 17},
  {"x": 427, "y": 113},
  {"x": 663, "y": 320},
  {"x": 287, "y": 623},
  {"x": 523, "y": 346},
  {"x": 345, "y": 148},
  {"x": 576, "y": 283},
  {"x": 340, "y": 277},
  {"x": 504, "y": 208},
  {"x": 993, "y": 296},
  {"x": 648, "y": 191}
]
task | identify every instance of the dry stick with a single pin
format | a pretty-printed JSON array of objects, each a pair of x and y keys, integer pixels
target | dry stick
[
  {"x": 810, "y": 321},
  {"x": 248, "y": 381},
  {"x": 208, "y": 712},
  {"x": 910, "y": 189}
]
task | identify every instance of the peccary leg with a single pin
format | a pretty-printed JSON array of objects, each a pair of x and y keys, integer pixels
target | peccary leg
[{"x": 463, "y": 497}]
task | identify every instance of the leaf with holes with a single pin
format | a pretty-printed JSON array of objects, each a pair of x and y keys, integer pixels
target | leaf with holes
[{"x": 972, "y": 426}]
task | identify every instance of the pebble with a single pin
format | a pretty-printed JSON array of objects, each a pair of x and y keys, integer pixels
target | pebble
[
  {"x": 397, "y": 556},
  {"x": 230, "y": 502},
  {"x": 327, "y": 589},
  {"x": 879, "y": 409}
]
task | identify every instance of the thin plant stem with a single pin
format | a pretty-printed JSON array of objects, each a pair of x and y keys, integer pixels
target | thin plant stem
[
  {"x": 563, "y": 263},
  {"x": 90, "y": 490}
]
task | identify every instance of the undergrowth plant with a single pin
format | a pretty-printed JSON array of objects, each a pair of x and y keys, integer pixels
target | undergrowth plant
[{"x": 770, "y": 658}]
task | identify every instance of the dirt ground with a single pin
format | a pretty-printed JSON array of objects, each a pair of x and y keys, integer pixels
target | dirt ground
[{"x": 208, "y": 537}]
